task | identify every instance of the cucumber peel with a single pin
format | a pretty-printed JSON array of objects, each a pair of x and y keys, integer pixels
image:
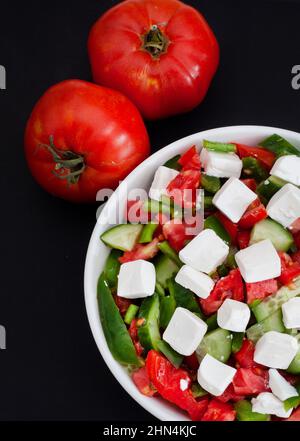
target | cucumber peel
[{"x": 122, "y": 237}]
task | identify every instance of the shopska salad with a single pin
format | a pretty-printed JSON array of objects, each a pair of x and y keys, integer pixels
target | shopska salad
[{"x": 209, "y": 319}]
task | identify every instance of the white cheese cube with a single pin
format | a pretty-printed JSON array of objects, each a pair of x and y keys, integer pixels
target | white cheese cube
[
  {"x": 291, "y": 313},
  {"x": 214, "y": 376},
  {"x": 205, "y": 252},
  {"x": 284, "y": 206},
  {"x": 233, "y": 315},
  {"x": 233, "y": 199},
  {"x": 287, "y": 168},
  {"x": 259, "y": 262},
  {"x": 221, "y": 165},
  {"x": 201, "y": 284},
  {"x": 266, "y": 403},
  {"x": 275, "y": 350},
  {"x": 163, "y": 176},
  {"x": 281, "y": 388},
  {"x": 136, "y": 279},
  {"x": 184, "y": 331}
]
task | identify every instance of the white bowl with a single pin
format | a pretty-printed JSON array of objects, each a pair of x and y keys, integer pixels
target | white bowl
[{"x": 97, "y": 252}]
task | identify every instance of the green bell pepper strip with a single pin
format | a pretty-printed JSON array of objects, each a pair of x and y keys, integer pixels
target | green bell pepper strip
[
  {"x": 173, "y": 163},
  {"x": 173, "y": 356},
  {"x": 223, "y": 270},
  {"x": 253, "y": 169},
  {"x": 114, "y": 328},
  {"x": 130, "y": 313},
  {"x": 159, "y": 289},
  {"x": 212, "y": 322},
  {"x": 237, "y": 341},
  {"x": 156, "y": 207},
  {"x": 213, "y": 223},
  {"x": 219, "y": 146},
  {"x": 244, "y": 412},
  {"x": 166, "y": 249},
  {"x": 279, "y": 146},
  {"x": 230, "y": 261},
  {"x": 112, "y": 268},
  {"x": 208, "y": 205},
  {"x": 167, "y": 309},
  {"x": 183, "y": 297},
  {"x": 291, "y": 402},
  {"x": 147, "y": 233},
  {"x": 210, "y": 183}
]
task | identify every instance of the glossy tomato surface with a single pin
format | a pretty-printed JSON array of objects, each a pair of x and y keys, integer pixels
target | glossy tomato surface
[
  {"x": 81, "y": 138},
  {"x": 162, "y": 54}
]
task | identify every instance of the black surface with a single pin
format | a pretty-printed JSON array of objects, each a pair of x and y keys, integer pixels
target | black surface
[{"x": 52, "y": 368}]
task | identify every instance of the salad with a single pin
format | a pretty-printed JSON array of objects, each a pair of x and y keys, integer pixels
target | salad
[{"x": 200, "y": 295}]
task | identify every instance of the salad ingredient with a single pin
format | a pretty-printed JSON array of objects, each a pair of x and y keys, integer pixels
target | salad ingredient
[
  {"x": 112, "y": 268},
  {"x": 284, "y": 206},
  {"x": 183, "y": 297},
  {"x": 130, "y": 313},
  {"x": 173, "y": 163},
  {"x": 237, "y": 341},
  {"x": 254, "y": 214},
  {"x": 221, "y": 165},
  {"x": 250, "y": 381},
  {"x": 70, "y": 153},
  {"x": 230, "y": 227},
  {"x": 205, "y": 252},
  {"x": 294, "y": 367},
  {"x": 245, "y": 356},
  {"x": 269, "y": 229},
  {"x": 184, "y": 331},
  {"x": 233, "y": 315},
  {"x": 165, "y": 269},
  {"x": 271, "y": 323},
  {"x": 216, "y": 343},
  {"x": 244, "y": 412},
  {"x": 175, "y": 358},
  {"x": 147, "y": 233},
  {"x": 148, "y": 323},
  {"x": 251, "y": 183},
  {"x": 264, "y": 156},
  {"x": 182, "y": 189},
  {"x": 190, "y": 160},
  {"x": 279, "y": 146},
  {"x": 133, "y": 332},
  {"x": 167, "y": 309},
  {"x": 234, "y": 208},
  {"x": 218, "y": 411},
  {"x": 199, "y": 283},
  {"x": 214, "y": 224},
  {"x": 267, "y": 403},
  {"x": 163, "y": 176},
  {"x": 243, "y": 239},
  {"x": 161, "y": 54},
  {"x": 260, "y": 290},
  {"x": 136, "y": 279},
  {"x": 169, "y": 252},
  {"x": 291, "y": 313},
  {"x": 116, "y": 334},
  {"x": 252, "y": 168},
  {"x": 259, "y": 262},
  {"x": 141, "y": 380},
  {"x": 141, "y": 252},
  {"x": 214, "y": 376},
  {"x": 275, "y": 350},
  {"x": 280, "y": 387},
  {"x": 122, "y": 237},
  {"x": 219, "y": 146},
  {"x": 290, "y": 273},
  {"x": 211, "y": 184},
  {"x": 212, "y": 322},
  {"x": 267, "y": 188},
  {"x": 176, "y": 234},
  {"x": 292, "y": 402},
  {"x": 287, "y": 168}
]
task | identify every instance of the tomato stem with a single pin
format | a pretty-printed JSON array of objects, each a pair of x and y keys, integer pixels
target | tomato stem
[
  {"x": 155, "y": 42},
  {"x": 68, "y": 165}
]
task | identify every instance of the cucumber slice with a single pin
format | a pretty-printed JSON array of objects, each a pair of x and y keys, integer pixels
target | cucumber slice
[
  {"x": 216, "y": 343},
  {"x": 122, "y": 237},
  {"x": 244, "y": 412},
  {"x": 212, "y": 322},
  {"x": 280, "y": 237},
  {"x": 165, "y": 269},
  {"x": 269, "y": 187},
  {"x": 148, "y": 331},
  {"x": 173, "y": 356},
  {"x": 272, "y": 303},
  {"x": 294, "y": 367},
  {"x": 272, "y": 323},
  {"x": 237, "y": 341},
  {"x": 184, "y": 297},
  {"x": 167, "y": 309},
  {"x": 112, "y": 268}
]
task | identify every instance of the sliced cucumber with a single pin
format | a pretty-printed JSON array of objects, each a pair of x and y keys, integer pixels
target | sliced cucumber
[
  {"x": 294, "y": 367},
  {"x": 212, "y": 322},
  {"x": 272, "y": 323},
  {"x": 148, "y": 331},
  {"x": 244, "y": 412},
  {"x": 112, "y": 268},
  {"x": 167, "y": 309},
  {"x": 216, "y": 343},
  {"x": 173, "y": 356},
  {"x": 280, "y": 237},
  {"x": 184, "y": 297},
  {"x": 173, "y": 163},
  {"x": 272, "y": 303},
  {"x": 122, "y": 237},
  {"x": 165, "y": 269},
  {"x": 237, "y": 341},
  {"x": 269, "y": 187}
]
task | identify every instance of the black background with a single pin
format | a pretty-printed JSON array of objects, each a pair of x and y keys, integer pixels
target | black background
[{"x": 52, "y": 368}]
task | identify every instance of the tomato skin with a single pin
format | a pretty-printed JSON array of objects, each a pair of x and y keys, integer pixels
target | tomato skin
[
  {"x": 245, "y": 356},
  {"x": 192, "y": 361},
  {"x": 255, "y": 213},
  {"x": 250, "y": 381},
  {"x": 190, "y": 160},
  {"x": 182, "y": 189},
  {"x": 177, "y": 233},
  {"x": 230, "y": 395},
  {"x": 219, "y": 411},
  {"x": 173, "y": 83},
  {"x": 243, "y": 239},
  {"x": 141, "y": 251},
  {"x": 230, "y": 227},
  {"x": 251, "y": 183},
  {"x": 122, "y": 304},
  {"x": 260, "y": 290},
  {"x": 266, "y": 157},
  {"x": 133, "y": 332},
  {"x": 295, "y": 415},
  {"x": 142, "y": 382},
  {"x": 77, "y": 114},
  {"x": 289, "y": 274}
]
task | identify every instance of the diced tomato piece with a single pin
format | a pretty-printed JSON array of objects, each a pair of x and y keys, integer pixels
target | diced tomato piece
[
  {"x": 218, "y": 411},
  {"x": 266, "y": 157},
  {"x": 292, "y": 379},
  {"x": 230, "y": 395},
  {"x": 142, "y": 382},
  {"x": 229, "y": 287},
  {"x": 230, "y": 227},
  {"x": 166, "y": 379},
  {"x": 296, "y": 237},
  {"x": 182, "y": 189},
  {"x": 135, "y": 214},
  {"x": 289, "y": 274},
  {"x": 296, "y": 256},
  {"x": 190, "y": 160},
  {"x": 250, "y": 381},
  {"x": 255, "y": 213},
  {"x": 243, "y": 239},
  {"x": 122, "y": 304},
  {"x": 245, "y": 356},
  {"x": 295, "y": 227},
  {"x": 285, "y": 259},
  {"x": 251, "y": 183},
  {"x": 260, "y": 290},
  {"x": 192, "y": 362},
  {"x": 133, "y": 332},
  {"x": 295, "y": 415},
  {"x": 141, "y": 251},
  {"x": 177, "y": 233}
]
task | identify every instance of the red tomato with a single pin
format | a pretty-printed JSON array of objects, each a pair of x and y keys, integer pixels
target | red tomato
[
  {"x": 122, "y": 304},
  {"x": 182, "y": 189},
  {"x": 162, "y": 54},
  {"x": 260, "y": 290},
  {"x": 230, "y": 395},
  {"x": 177, "y": 234},
  {"x": 218, "y": 411},
  {"x": 166, "y": 379},
  {"x": 251, "y": 183},
  {"x": 141, "y": 251},
  {"x": 81, "y": 138},
  {"x": 296, "y": 256},
  {"x": 266, "y": 157},
  {"x": 192, "y": 362},
  {"x": 142, "y": 382},
  {"x": 190, "y": 160},
  {"x": 133, "y": 332},
  {"x": 255, "y": 213},
  {"x": 230, "y": 227},
  {"x": 245, "y": 356},
  {"x": 135, "y": 214},
  {"x": 243, "y": 239},
  {"x": 289, "y": 274},
  {"x": 229, "y": 287},
  {"x": 250, "y": 381},
  {"x": 295, "y": 416}
]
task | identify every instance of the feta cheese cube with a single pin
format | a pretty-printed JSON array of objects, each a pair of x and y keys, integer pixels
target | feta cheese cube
[
  {"x": 201, "y": 284},
  {"x": 163, "y": 176},
  {"x": 281, "y": 388},
  {"x": 233, "y": 199},
  {"x": 233, "y": 315},
  {"x": 291, "y": 313},
  {"x": 136, "y": 279},
  {"x": 267, "y": 403},
  {"x": 275, "y": 350},
  {"x": 287, "y": 168},
  {"x": 284, "y": 206},
  {"x": 214, "y": 376},
  {"x": 259, "y": 262},
  {"x": 221, "y": 165},
  {"x": 184, "y": 331},
  {"x": 205, "y": 252}
]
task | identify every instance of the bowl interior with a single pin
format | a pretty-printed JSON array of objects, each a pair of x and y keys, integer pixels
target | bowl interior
[{"x": 97, "y": 252}]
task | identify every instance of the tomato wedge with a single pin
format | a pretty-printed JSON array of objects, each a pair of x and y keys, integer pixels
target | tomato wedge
[
  {"x": 142, "y": 382},
  {"x": 266, "y": 157},
  {"x": 260, "y": 290},
  {"x": 245, "y": 356},
  {"x": 230, "y": 395},
  {"x": 182, "y": 189},
  {"x": 243, "y": 239},
  {"x": 218, "y": 411},
  {"x": 141, "y": 251},
  {"x": 255, "y": 213},
  {"x": 190, "y": 160},
  {"x": 290, "y": 268},
  {"x": 250, "y": 381},
  {"x": 251, "y": 183}
]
